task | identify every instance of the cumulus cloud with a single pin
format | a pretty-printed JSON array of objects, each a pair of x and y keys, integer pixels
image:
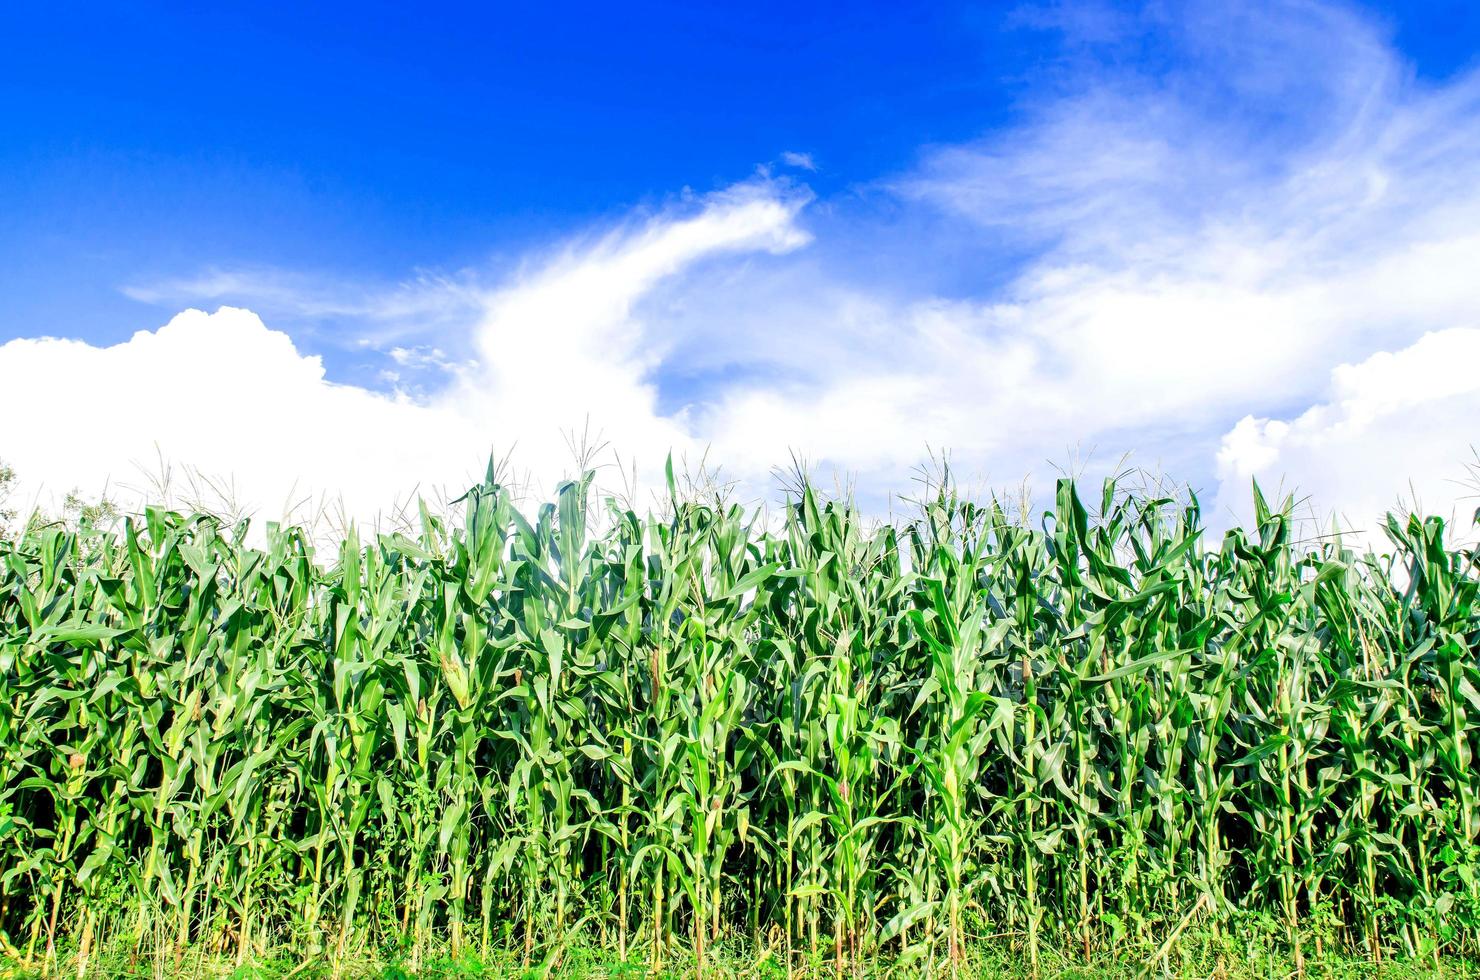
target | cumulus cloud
[
  {"x": 233, "y": 400},
  {"x": 1395, "y": 432}
]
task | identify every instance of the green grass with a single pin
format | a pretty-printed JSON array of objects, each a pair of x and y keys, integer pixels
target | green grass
[
  {"x": 1199, "y": 955},
  {"x": 970, "y": 741}
]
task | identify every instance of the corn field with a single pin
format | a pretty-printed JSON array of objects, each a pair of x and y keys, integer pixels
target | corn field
[{"x": 677, "y": 732}]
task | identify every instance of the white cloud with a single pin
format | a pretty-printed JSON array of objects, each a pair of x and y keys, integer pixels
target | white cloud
[
  {"x": 424, "y": 302},
  {"x": 1396, "y": 431},
  {"x": 226, "y": 395},
  {"x": 802, "y": 161},
  {"x": 562, "y": 346}
]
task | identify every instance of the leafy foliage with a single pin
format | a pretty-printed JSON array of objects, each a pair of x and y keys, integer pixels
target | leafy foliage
[{"x": 665, "y": 734}]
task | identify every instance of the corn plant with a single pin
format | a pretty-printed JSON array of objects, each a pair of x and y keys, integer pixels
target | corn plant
[{"x": 830, "y": 739}]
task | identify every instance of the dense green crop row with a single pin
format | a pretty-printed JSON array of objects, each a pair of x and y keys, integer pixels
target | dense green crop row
[{"x": 690, "y": 729}]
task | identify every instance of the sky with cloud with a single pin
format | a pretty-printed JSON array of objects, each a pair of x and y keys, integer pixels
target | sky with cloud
[{"x": 337, "y": 262}]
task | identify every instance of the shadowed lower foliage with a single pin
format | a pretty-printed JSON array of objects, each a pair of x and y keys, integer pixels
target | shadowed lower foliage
[{"x": 828, "y": 743}]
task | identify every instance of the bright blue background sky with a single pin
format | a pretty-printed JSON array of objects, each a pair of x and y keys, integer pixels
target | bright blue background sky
[
  {"x": 1038, "y": 233},
  {"x": 377, "y": 137},
  {"x": 150, "y": 140}
]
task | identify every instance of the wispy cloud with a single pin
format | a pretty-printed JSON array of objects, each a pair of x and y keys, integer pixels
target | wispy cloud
[
  {"x": 801, "y": 161},
  {"x": 424, "y": 303},
  {"x": 276, "y": 291}
]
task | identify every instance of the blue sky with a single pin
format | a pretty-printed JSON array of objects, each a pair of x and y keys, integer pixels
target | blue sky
[
  {"x": 370, "y": 140},
  {"x": 373, "y": 140},
  {"x": 1005, "y": 228}
]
